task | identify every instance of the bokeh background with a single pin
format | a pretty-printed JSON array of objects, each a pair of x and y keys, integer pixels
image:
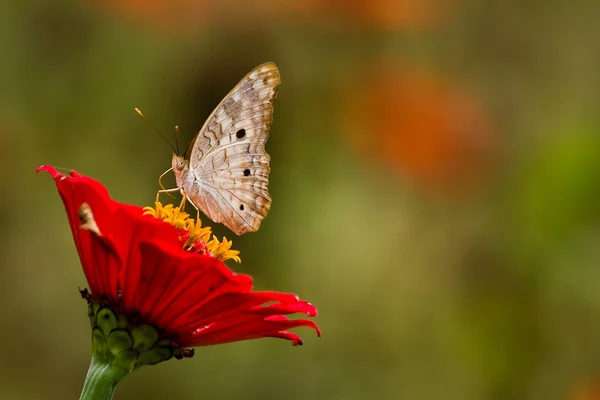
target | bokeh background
[{"x": 435, "y": 182}]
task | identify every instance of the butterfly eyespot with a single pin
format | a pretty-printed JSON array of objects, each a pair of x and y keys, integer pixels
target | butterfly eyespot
[
  {"x": 241, "y": 133},
  {"x": 242, "y": 207},
  {"x": 246, "y": 172}
]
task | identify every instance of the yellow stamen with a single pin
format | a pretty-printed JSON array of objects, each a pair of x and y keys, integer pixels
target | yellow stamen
[
  {"x": 168, "y": 213},
  {"x": 197, "y": 232},
  {"x": 181, "y": 220},
  {"x": 222, "y": 250}
]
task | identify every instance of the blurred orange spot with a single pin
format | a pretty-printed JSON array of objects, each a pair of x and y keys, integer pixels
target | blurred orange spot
[
  {"x": 392, "y": 14},
  {"x": 421, "y": 125},
  {"x": 586, "y": 389},
  {"x": 353, "y": 14},
  {"x": 305, "y": 8},
  {"x": 386, "y": 14}
]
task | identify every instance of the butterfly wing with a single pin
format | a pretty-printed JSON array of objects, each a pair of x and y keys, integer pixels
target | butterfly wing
[{"x": 228, "y": 155}]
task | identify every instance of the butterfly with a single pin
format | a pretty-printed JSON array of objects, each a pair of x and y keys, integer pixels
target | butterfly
[{"x": 225, "y": 169}]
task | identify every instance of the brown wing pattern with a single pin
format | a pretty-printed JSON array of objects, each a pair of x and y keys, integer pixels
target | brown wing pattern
[{"x": 228, "y": 155}]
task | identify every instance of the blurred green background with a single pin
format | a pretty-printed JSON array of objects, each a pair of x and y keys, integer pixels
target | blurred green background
[{"x": 435, "y": 182}]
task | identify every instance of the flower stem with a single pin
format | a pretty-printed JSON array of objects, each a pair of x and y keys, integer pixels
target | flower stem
[{"x": 100, "y": 382}]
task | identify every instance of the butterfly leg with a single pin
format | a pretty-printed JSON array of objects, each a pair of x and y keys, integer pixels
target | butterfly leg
[
  {"x": 165, "y": 191},
  {"x": 183, "y": 202}
]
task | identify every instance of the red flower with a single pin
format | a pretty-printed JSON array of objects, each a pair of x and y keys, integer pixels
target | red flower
[{"x": 137, "y": 266}]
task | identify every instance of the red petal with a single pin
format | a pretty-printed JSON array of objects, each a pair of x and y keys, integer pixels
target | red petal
[
  {"x": 298, "y": 307},
  {"x": 230, "y": 305},
  {"x": 175, "y": 282},
  {"x": 243, "y": 327},
  {"x": 120, "y": 225},
  {"x": 295, "y": 339}
]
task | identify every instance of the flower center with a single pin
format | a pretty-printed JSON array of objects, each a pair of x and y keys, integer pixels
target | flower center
[{"x": 192, "y": 235}]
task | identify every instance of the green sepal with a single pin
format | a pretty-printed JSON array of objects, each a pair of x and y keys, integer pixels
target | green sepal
[
  {"x": 99, "y": 344},
  {"x": 154, "y": 356},
  {"x": 118, "y": 347},
  {"x": 106, "y": 319},
  {"x": 92, "y": 312},
  {"x": 125, "y": 361},
  {"x": 122, "y": 322},
  {"x": 122, "y": 345},
  {"x": 118, "y": 341},
  {"x": 144, "y": 337}
]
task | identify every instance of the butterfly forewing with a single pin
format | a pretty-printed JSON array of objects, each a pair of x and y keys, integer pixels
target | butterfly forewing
[{"x": 228, "y": 154}]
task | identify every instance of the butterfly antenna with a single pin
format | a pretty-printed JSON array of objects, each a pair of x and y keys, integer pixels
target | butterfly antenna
[
  {"x": 137, "y": 110},
  {"x": 177, "y": 139}
]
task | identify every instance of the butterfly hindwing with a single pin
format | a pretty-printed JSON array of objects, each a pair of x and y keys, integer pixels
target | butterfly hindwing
[{"x": 228, "y": 154}]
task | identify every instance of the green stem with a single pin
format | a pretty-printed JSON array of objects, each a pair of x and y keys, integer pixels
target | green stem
[{"x": 100, "y": 382}]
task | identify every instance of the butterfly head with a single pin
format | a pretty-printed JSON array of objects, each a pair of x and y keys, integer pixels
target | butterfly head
[{"x": 178, "y": 164}]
